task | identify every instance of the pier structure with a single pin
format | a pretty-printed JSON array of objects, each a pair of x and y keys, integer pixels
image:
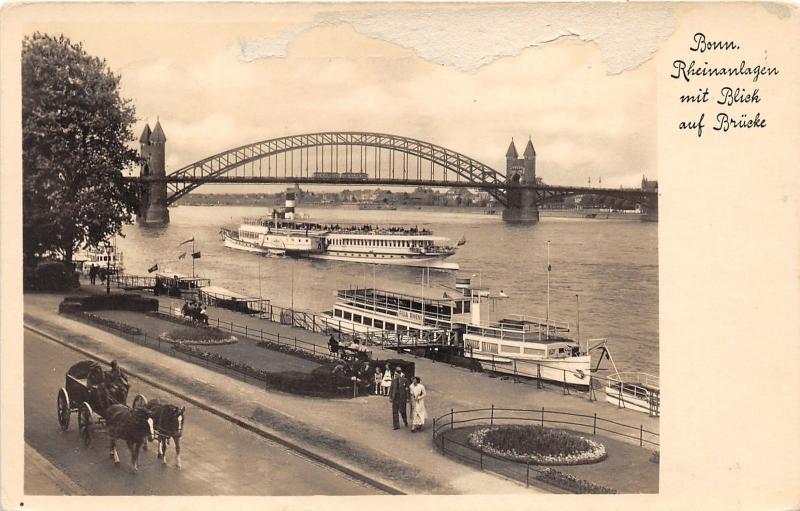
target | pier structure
[{"x": 355, "y": 158}]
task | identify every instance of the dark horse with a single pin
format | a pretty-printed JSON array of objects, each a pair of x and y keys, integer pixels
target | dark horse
[
  {"x": 168, "y": 421},
  {"x": 134, "y": 426}
]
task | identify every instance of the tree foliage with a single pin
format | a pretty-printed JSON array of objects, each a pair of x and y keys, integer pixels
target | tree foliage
[{"x": 75, "y": 130}]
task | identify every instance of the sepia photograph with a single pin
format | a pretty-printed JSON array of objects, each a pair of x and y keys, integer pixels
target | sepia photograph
[{"x": 352, "y": 249}]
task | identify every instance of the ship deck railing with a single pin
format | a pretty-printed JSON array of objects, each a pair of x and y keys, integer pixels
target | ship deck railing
[
  {"x": 337, "y": 228},
  {"x": 389, "y": 303},
  {"x": 645, "y": 381},
  {"x": 525, "y": 332}
]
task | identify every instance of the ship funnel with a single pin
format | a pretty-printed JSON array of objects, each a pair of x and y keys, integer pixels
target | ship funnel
[
  {"x": 464, "y": 284},
  {"x": 289, "y": 209}
]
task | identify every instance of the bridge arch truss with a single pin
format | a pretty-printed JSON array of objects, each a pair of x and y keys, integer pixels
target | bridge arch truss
[{"x": 336, "y": 158}]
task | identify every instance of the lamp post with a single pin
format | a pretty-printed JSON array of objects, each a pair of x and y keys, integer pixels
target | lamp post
[{"x": 108, "y": 272}]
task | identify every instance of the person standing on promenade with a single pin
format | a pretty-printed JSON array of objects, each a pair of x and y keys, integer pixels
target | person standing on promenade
[
  {"x": 93, "y": 274},
  {"x": 378, "y": 379},
  {"x": 418, "y": 411},
  {"x": 387, "y": 381},
  {"x": 398, "y": 397}
]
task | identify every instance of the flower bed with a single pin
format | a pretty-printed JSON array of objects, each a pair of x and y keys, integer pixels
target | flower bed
[
  {"x": 110, "y": 323},
  {"x": 571, "y": 483},
  {"x": 537, "y": 445},
  {"x": 197, "y": 335}
]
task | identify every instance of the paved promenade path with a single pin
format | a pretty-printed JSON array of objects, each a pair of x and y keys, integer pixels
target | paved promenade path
[
  {"x": 217, "y": 459},
  {"x": 356, "y": 433}
]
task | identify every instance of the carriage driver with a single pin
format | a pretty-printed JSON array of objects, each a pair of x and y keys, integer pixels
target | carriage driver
[{"x": 117, "y": 375}]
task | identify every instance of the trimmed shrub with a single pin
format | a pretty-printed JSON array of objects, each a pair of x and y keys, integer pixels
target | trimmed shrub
[
  {"x": 51, "y": 276},
  {"x": 135, "y": 303}
]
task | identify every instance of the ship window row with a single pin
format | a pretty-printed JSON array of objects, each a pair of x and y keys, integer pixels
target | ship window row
[
  {"x": 391, "y": 306},
  {"x": 381, "y": 243},
  {"x": 248, "y": 234},
  {"x": 374, "y": 322}
]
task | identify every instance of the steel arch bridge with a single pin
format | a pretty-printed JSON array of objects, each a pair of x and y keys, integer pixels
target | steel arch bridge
[
  {"x": 339, "y": 158},
  {"x": 354, "y": 158}
]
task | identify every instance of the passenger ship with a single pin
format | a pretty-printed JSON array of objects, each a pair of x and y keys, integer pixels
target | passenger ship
[
  {"x": 103, "y": 257},
  {"x": 280, "y": 234},
  {"x": 516, "y": 345}
]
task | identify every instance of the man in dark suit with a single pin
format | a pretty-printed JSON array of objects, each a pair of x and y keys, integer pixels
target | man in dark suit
[{"x": 398, "y": 397}]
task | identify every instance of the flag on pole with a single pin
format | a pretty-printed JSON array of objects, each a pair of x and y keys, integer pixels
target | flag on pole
[
  {"x": 187, "y": 241},
  {"x": 182, "y": 256},
  {"x": 196, "y": 255},
  {"x": 152, "y": 268}
]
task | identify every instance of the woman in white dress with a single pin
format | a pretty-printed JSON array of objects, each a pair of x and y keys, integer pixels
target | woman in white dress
[
  {"x": 418, "y": 411},
  {"x": 387, "y": 381}
]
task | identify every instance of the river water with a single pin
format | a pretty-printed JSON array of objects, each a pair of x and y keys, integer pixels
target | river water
[{"x": 611, "y": 264}]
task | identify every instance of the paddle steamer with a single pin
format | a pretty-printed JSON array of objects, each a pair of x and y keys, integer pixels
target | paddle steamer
[{"x": 281, "y": 234}]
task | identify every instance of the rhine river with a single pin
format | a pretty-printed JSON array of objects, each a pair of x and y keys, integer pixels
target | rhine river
[{"x": 611, "y": 264}]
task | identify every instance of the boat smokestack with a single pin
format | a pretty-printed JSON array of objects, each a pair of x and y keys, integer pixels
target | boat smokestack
[
  {"x": 289, "y": 208},
  {"x": 475, "y": 308},
  {"x": 464, "y": 284}
]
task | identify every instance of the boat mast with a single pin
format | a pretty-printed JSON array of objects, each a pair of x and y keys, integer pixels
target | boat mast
[
  {"x": 547, "y": 317},
  {"x": 578, "y": 321}
]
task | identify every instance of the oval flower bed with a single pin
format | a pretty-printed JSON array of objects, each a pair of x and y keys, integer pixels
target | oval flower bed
[
  {"x": 207, "y": 336},
  {"x": 537, "y": 445}
]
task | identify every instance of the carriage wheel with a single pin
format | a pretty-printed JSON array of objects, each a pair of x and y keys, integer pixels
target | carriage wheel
[
  {"x": 85, "y": 423},
  {"x": 63, "y": 409},
  {"x": 139, "y": 401}
]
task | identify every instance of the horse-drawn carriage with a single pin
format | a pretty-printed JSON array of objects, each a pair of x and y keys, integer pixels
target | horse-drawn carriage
[
  {"x": 88, "y": 391},
  {"x": 100, "y": 400}
]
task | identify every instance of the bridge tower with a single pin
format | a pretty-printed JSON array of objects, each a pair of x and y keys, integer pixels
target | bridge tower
[
  {"x": 153, "y": 210},
  {"x": 521, "y": 203}
]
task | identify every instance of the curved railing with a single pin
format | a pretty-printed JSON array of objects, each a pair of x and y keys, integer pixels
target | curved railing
[
  {"x": 589, "y": 423},
  {"x": 522, "y": 471}
]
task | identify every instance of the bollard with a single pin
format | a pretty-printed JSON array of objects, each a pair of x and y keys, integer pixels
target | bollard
[
  {"x": 543, "y": 416},
  {"x": 261, "y": 333},
  {"x": 245, "y": 329},
  {"x": 594, "y": 428},
  {"x": 279, "y": 337},
  {"x": 641, "y": 434},
  {"x": 492, "y": 420},
  {"x": 295, "y": 342},
  {"x": 451, "y": 419}
]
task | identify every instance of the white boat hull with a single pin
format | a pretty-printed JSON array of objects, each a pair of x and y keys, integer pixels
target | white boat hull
[
  {"x": 647, "y": 403},
  {"x": 417, "y": 261},
  {"x": 572, "y": 370}
]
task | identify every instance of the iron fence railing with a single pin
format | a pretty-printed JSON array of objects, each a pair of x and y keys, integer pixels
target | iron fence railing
[
  {"x": 257, "y": 334},
  {"x": 155, "y": 342}
]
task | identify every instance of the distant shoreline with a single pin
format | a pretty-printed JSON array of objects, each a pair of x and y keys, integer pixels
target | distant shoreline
[{"x": 599, "y": 214}]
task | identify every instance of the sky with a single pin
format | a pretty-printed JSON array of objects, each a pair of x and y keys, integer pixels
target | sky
[{"x": 215, "y": 86}]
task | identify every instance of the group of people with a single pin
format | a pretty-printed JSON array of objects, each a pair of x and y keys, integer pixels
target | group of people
[
  {"x": 196, "y": 311},
  {"x": 94, "y": 272},
  {"x": 402, "y": 394}
]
